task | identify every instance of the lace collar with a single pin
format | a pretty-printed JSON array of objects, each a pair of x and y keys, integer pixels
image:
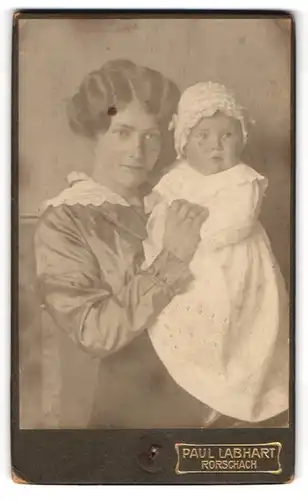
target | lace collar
[{"x": 83, "y": 190}]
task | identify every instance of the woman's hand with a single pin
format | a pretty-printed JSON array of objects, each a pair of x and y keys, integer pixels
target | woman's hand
[{"x": 182, "y": 229}]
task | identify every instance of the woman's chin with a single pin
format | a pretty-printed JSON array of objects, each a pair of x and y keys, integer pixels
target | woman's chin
[{"x": 132, "y": 177}]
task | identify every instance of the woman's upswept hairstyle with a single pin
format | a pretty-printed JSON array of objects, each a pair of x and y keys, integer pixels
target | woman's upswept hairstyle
[{"x": 112, "y": 87}]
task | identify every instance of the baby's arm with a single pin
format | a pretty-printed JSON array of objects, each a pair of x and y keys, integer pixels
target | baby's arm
[{"x": 233, "y": 213}]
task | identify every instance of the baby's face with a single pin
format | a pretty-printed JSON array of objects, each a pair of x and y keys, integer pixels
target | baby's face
[{"x": 214, "y": 144}]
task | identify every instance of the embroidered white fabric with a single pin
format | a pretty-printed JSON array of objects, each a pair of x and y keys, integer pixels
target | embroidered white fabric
[{"x": 225, "y": 340}]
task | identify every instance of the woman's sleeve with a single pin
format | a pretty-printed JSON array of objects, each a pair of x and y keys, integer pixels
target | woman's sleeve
[
  {"x": 233, "y": 214},
  {"x": 155, "y": 228},
  {"x": 75, "y": 290}
]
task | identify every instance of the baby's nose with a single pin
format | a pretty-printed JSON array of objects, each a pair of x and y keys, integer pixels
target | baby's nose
[{"x": 216, "y": 142}]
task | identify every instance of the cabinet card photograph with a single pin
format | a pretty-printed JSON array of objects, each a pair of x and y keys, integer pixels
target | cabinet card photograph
[{"x": 153, "y": 177}]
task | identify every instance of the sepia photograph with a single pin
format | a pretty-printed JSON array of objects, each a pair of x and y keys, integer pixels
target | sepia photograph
[{"x": 155, "y": 180}]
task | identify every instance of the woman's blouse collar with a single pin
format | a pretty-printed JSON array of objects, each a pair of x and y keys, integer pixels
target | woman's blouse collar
[{"x": 83, "y": 190}]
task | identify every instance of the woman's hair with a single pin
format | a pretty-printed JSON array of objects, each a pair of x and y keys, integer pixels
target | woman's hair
[{"x": 112, "y": 87}]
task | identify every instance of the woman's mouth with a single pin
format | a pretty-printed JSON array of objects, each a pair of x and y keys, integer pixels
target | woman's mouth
[{"x": 133, "y": 167}]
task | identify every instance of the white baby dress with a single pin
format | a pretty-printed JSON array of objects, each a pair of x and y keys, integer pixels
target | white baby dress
[{"x": 225, "y": 340}]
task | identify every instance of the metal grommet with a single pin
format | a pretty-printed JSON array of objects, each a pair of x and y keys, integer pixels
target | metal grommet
[
  {"x": 149, "y": 459},
  {"x": 154, "y": 452}
]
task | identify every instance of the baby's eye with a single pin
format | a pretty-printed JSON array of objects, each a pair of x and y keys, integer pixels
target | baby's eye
[{"x": 227, "y": 135}]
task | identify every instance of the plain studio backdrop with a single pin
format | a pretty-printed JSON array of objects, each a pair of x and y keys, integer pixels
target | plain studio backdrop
[{"x": 251, "y": 56}]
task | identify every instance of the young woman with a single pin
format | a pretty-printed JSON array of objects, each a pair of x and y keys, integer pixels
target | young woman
[{"x": 88, "y": 246}]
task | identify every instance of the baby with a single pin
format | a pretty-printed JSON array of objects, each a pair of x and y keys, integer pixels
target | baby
[{"x": 225, "y": 340}]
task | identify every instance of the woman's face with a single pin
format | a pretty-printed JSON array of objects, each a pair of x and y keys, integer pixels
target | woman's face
[
  {"x": 128, "y": 151},
  {"x": 214, "y": 144}
]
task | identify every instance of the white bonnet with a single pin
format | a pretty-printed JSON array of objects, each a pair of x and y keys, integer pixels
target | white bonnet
[{"x": 200, "y": 100}]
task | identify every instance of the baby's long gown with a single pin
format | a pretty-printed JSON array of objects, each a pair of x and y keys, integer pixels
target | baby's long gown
[{"x": 226, "y": 339}]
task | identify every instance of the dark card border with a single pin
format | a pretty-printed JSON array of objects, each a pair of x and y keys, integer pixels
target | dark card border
[{"x": 112, "y": 457}]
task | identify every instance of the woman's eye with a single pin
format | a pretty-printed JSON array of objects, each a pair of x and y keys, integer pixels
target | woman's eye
[
  {"x": 122, "y": 133},
  {"x": 152, "y": 137},
  {"x": 152, "y": 140},
  {"x": 202, "y": 135},
  {"x": 227, "y": 135}
]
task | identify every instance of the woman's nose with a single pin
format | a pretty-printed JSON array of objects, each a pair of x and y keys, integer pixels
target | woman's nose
[{"x": 137, "y": 148}]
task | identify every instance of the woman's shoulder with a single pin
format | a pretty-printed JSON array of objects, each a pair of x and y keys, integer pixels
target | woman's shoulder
[
  {"x": 60, "y": 212},
  {"x": 82, "y": 194},
  {"x": 54, "y": 221}
]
